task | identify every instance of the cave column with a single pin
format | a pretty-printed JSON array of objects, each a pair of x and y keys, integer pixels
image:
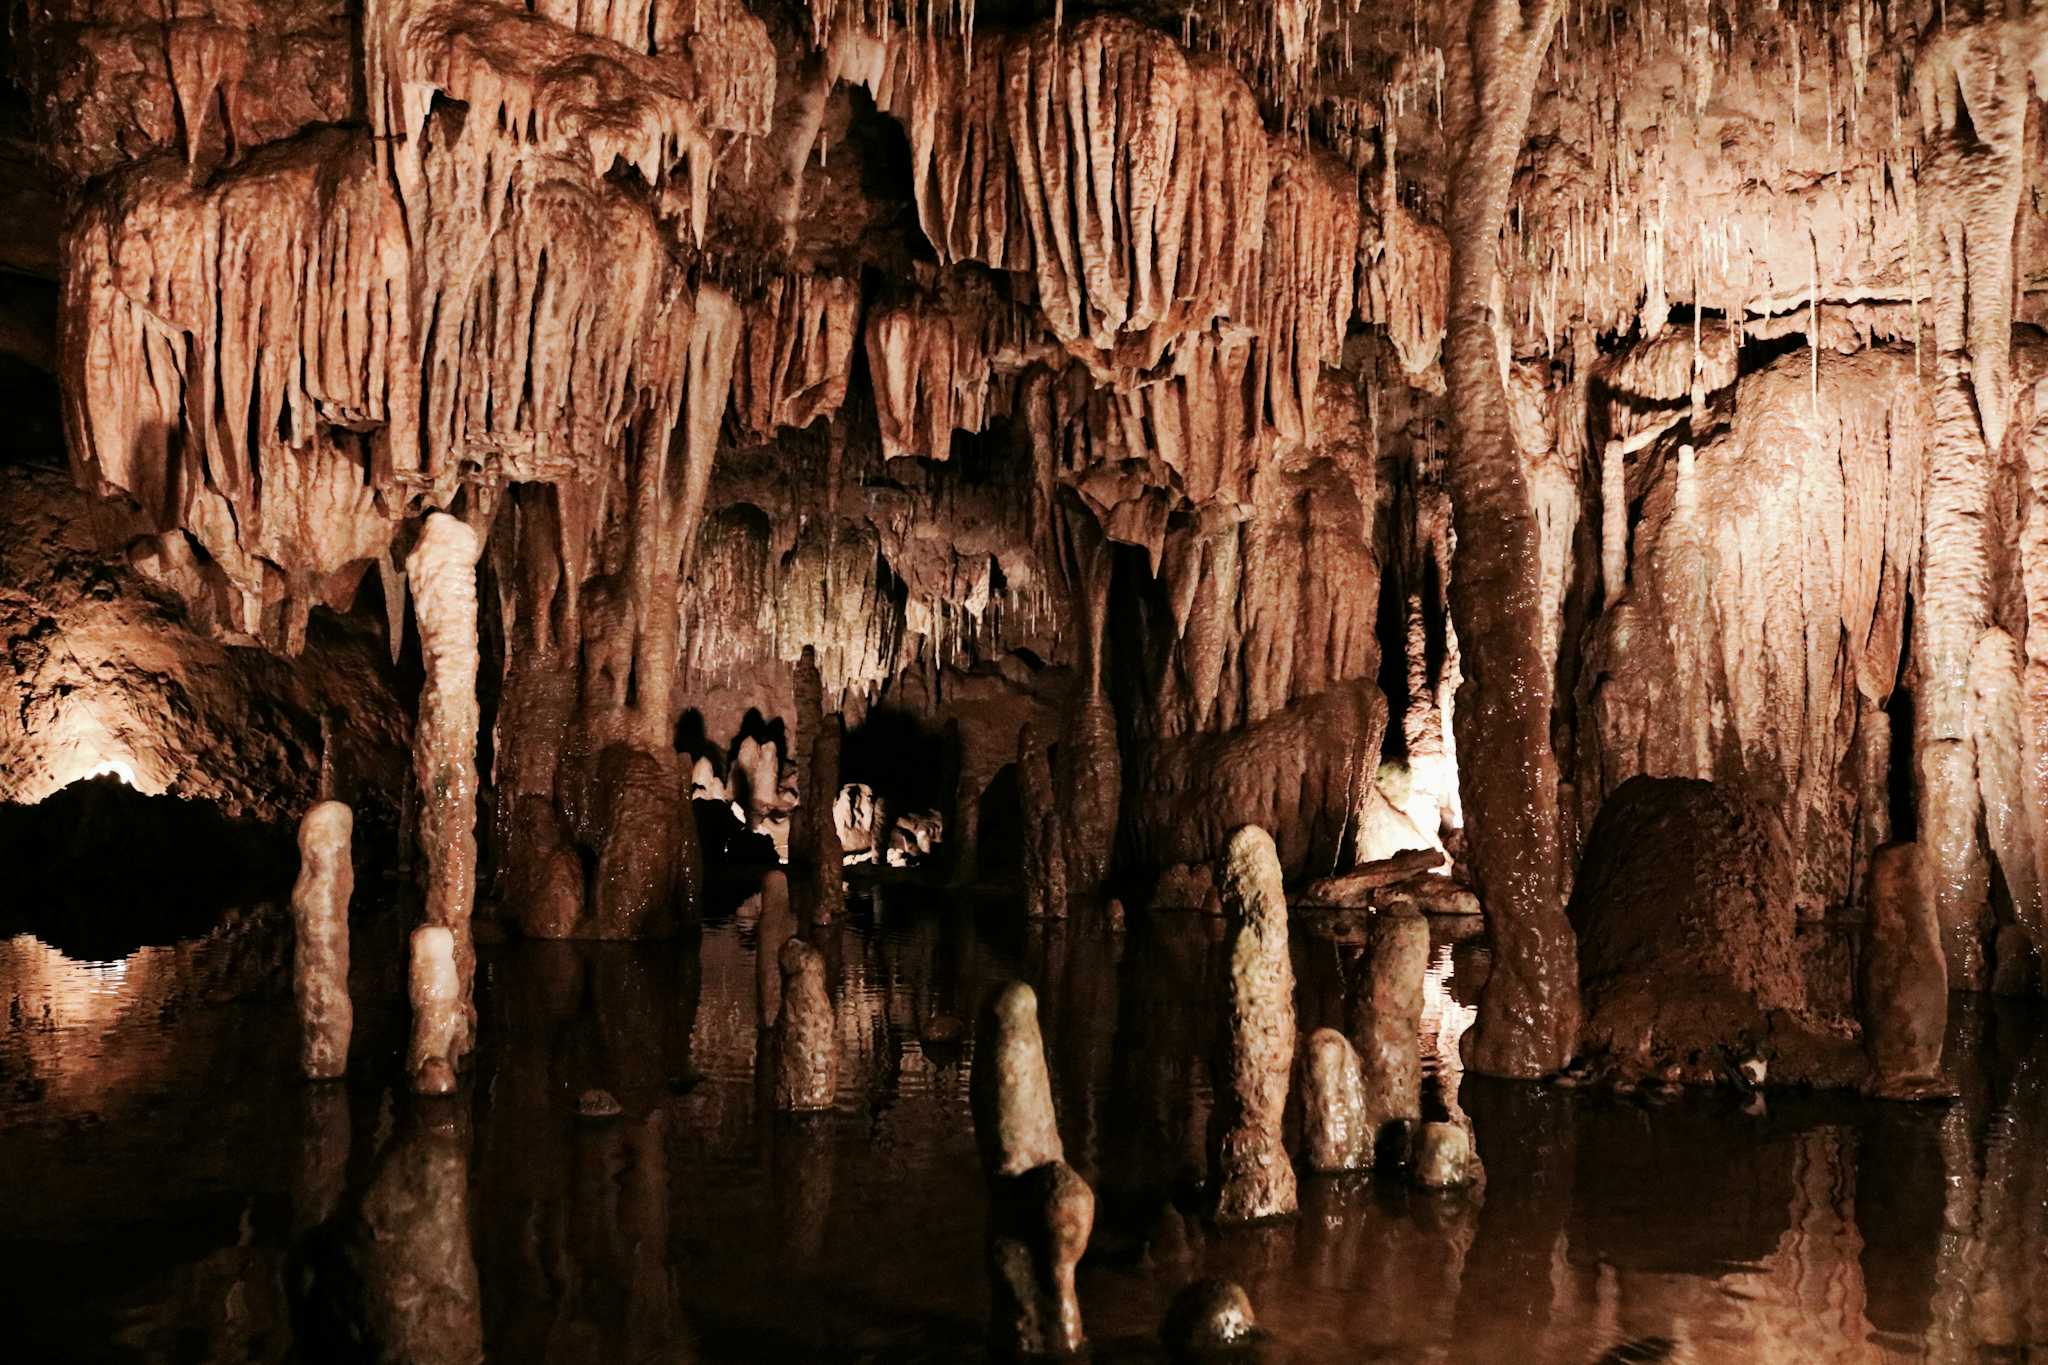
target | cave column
[
  {"x": 442, "y": 573},
  {"x": 1529, "y": 1014},
  {"x": 1973, "y": 101}
]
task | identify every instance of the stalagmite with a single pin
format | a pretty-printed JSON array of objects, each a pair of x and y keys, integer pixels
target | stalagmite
[
  {"x": 776, "y": 927},
  {"x": 1903, "y": 993},
  {"x": 1208, "y": 1317},
  {"x": 1528, "y": 1017},
  {"x": 1045, "y": 860},
  {"x": 435, "y": 991},
  {"x": 441, "y": 571},
  {"x": 1444, "y": 1157},
  {"x": 806, "y": 1041},
  {"x": 1253, "y": 1177},
  {"x": 815, "y": 837},
  {"x": 1040, "y": 1211},
  {"x": 1335, "y": 1134},
  {"x": 827, "y": 870},
  {"x": 1386, "y": 1025},
  {"x": 320, "y": 940},
  {"x": 1012, "y": 1094}
]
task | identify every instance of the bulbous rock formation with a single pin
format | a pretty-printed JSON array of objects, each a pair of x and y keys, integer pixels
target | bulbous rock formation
[
  {"x": 1386, "y": 1023},
  {"x": 320, "y": 899},
  {"x": 1253, "y": 1177},
  {"x": 1011, "y": 1093},
  {"x": 806, "y": 1038},
  {"x": 1206, "y": 1317}
]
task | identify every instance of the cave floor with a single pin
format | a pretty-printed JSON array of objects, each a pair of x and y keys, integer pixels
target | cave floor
[{"x": 166, "y": 1183}]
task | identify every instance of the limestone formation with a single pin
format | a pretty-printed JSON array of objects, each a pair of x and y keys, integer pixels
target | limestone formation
[
  {"x": 1207, "y": 1317},
  {"x": 1444, "y": 1157},
  {"x": 806, "y": 1037},
  {"x": 1040, "y": 1211},
  {"x": 320, "y": 940},
  {"x": 1903, "y": 993},
  {"x": 776, "y": 927},
  {"x": 1044, "y": 835},
  {"x": 1253, "y": 1176},
  {"x": 442, "y": 573},
  {"x": 1386, "y": 1024},
  {"x": 435, "y": 992},
  {"x": 1014, "y": 1123},
  {"x": 1335, "y": 1132}
]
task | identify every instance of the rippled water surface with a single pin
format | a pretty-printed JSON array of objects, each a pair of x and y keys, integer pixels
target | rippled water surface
[{"x": 170, "y": 1192}]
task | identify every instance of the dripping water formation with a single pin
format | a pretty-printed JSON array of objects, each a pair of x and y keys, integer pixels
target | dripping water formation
[{"x": 904, "y": 680}]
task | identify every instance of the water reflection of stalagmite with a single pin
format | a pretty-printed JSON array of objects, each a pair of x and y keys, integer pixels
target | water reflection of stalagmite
[
  {"x": 418, "y": 1269},
  {"x": 806, "y": 1044},
  {"x": 1254, "y": 1178},
  {"x": 442, "y": 572},
  {"x": 1040, "y": 1211},
  {"x": 435, "y": 989},
  {"x": 321, "y": 1176},
  {"x": 320, "y": 940}
]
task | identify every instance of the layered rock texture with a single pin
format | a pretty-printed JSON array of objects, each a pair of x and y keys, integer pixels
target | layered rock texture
[{"x": 1394, "y": 428}]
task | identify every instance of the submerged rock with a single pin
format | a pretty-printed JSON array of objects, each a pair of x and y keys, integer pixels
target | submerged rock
[
  {"x": 1207, "y": 1317},
  {"x": 1335, "y": 1132},
  {"x": 1444, "y": 1157}
]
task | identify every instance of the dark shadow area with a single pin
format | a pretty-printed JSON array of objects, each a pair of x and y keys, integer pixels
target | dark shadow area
[{"x": 99, "y": 869}]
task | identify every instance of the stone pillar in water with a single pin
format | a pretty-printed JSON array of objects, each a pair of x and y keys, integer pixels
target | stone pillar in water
[
  {"x": 1903, "y": 993},
  {"x": 1335, "y": 1133},
  {"x": 776, "y": 927},
  {"x": 1040, "y": 1211},
  {"x": 1386, "y": 1025},
  {"x": 1254, "y": 1178},
  {"x": 806, "y": 1045},
  {"x": 1045, "y": 862},
  {"x": 442, "y": 573},
  {"x": 320, "y": 940},
  {"x": 437, "y": 1023}
]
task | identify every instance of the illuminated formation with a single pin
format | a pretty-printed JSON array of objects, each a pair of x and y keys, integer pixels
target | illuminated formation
[{"x": 1449, "y": 542}]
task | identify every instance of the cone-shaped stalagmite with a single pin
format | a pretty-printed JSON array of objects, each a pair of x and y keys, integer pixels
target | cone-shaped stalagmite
[
  {"x": 1040, "y": 1211},
  {"x": 1253, "y": 1177},
  {"x": 442, "y": 572},
  {"x": 806, "y": 1045},
  {"x": 320, "y": 945}
]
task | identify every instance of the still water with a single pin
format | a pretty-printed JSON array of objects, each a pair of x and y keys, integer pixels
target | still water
[{"x": 169, "y": 1191}]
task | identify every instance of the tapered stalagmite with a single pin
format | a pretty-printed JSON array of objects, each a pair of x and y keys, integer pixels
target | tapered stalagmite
[
  {"x": 1386, "y": 1021},
  {"x": 806, "y": 1043},
  {"x": 1045, "y": 861},
  {"x": 320, "y": 940},
  {"x": 1253, "y": 1177},
  {"x": 1335, "y": 1135},
  {"x": 1011, "y": 1093},
  {"x": 1903, "y": 993},
  {"x": 1040, "y": 1211},
  {"x": 1529, "y": 1015},
  {"x": 442, "y": 573},
  {"x": 435, "y": 990}
]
